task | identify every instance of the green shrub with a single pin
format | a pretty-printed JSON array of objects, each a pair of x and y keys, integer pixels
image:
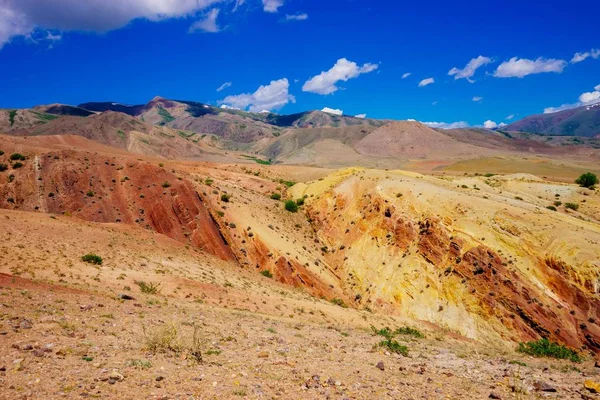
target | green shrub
[
  {"x": 287, "y": 183},
  {"x": 546, "y": 348},
  {"x": 266, "y": 273},
  {"x": 90, "y": 193},
  {"x": 557, "y": 203},
  {"x": 587, "y": 180},
  {"x": 394, "y": 347},
  {"x": 409, "y": 331},
  {"x": 1, "y": 153},
  {"x": 300, "y": 202},
  {"x": 148, "y": 288},
  {"x": 572, "y": 206},
  {"x": 17, "y": 165},
  {"x": 208, "y": 181},
  {"x": 291, "y": 206},
  {"x": 276, "y": 196},
  {"x": 3, "y": 167},
  {"x": 92, "y": 258},
  {"x": 225, "y": 197},
  {"x": 339, "y": 302},
  {"x": 11, "y": 116},
  {"x": 17, "y": 157},
  {"x": 166, "y": 184},
  {"x": 551, "y": 208}
]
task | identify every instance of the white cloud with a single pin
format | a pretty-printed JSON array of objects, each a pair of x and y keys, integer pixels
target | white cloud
[
  {"x": 208, "y": 23},
  {"x": 268, "y": 97},
  {"x": 296, "y": 17},
  {"x": 334, "y": 111},
  {"x": 490, "y": 124},
  {"x": 406, "y": 75},
  {"x": 361, "y": 116},
  {"x": 477, "y": 98},
  {"x": 224, "y": 86},
  {"x": 579, "y": 57},
  {"x": 426, "y": 82},
  {"x": 502, "y": 125},
  {"x": 585, "y": 99},
  {"x": 22, "y": 17},
  {"x": 469, "y": 70},
  {"x": 446, "y": 125},
  {"x": 511, "y": 116},
  {"x": 272, "y": 6},
  {"x": 521, "y": 67},
  {"x": 343, "y": 70},
  {"x": 238, "y": 4}
]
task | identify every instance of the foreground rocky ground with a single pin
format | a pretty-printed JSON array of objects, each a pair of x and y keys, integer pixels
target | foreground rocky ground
[{"x": 61, "y": 342}]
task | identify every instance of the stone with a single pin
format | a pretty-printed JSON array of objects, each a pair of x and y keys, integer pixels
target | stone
[
  {"x": 494, "y": 396},
  {"x": 543, "y": 386},
  {"x": 159, "y": 378},
  {"x": 25, "y": 324},
  {"x": 380, "y": 365},
  {"x": 592, "y": 386}
]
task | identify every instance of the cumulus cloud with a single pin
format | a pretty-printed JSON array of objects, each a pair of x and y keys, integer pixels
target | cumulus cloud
[
  {"x": 585, "y": 99},
  {"x": 469, "y": 70},
  {"x": 268, "y": 97},
  {"x": 477, "y": 99},
  {"x": 272, "y": 6},
  {"x": 361, "y": 116},
  {"x": 489, "y": 124},
  {"x": 208, "y": 23},
  {"x": 224, "y": 86},
  {"x": 226, "y": 107},
  {"x": 406, "y": 75},
  {"x": 521, "y": 67},
  {"x": 502, "y": 125},
  {"x": 22, "y": 17},
  {"x": 334, "y": 111},
  {"x": 579, "y": 57},
  {"x": 343, "y": 70},
  {"x": 446, "y": 125},
  {"x": 296, "y": 17},
  {"x": 425, "y": 82}
]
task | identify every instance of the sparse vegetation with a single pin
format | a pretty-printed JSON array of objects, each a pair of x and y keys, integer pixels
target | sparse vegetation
[
  {"x": 339, "y": 302},
  {"x": 572, "y": 206},
  {"x": 169, "y": 338},
  {"x": 552, "y": 208},
  {"x": 291, "y": 206},
  {"x": 11, "y": 116},
  {"x": 92, "y": 258},
  {"x": 3, "y": 167},
  {"x": 17, "y": 157},
  {"x": 409, "y": 331},
  {"x": 17, "y": 165},
  {"x": 225, "y": 197},
  {"x": 208, "y": 181},
  {"x": 259, "y": 161},
  {"x": 166, "y": 116},
  {"x": 300, "y": 202},
  {"x": 389, "y": 342},
  {"x": 546, "y": 348},
  {"x": 166, "y": 184},
  {"x": 287, "y": 183},
  {"x": 587, "y": 180},
  {"x": 90, "y": 193},
  {"x": 276, "y": 196},
  {"x": 267, "y": 273},
  {"x": 148, "y": 288}
]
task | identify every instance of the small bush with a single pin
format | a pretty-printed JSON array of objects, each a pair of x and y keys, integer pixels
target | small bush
[
  {"x": 291, "y": 206},
  {"x": 394, "y": 347},
  {"x": 587, "y": 180},
  {"x": 551, "y": 208},
  {"x": 148, "y": 288},
  {"x": 572, "y": 206},
  {"x": 267, "y": 273},
  {"x": 225, "y": 197},
  {"x": 557, "y": 203},
  {"x": 90, "y": 193},
  {"x": 339, "y": 302},
  {"x": 300, "y": 202},
  {"x": 287, "y": 183},
  {"x": 166, "y": 184},
  {"x": 17, "y": 157},
  {"x": 208, "y": 181},
  {"x": 3, "y": 167},
  {"x": 276, "y": 196},
  {"x": 546, "y": 348},
  {"x": 92, "y": 259},
  {"x": 17, "y": 165},
  {"x": 169, "y": 338},
  {"x": 1, "y": 153},
  {"x": 410, "y": 332}
]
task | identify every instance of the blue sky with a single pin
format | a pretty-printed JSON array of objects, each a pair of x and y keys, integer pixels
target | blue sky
[{"x": 68, "y": 51}]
